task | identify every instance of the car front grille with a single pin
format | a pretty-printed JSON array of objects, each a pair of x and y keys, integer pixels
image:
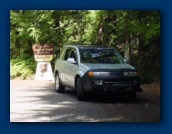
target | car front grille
[{"x": 110, "y": 82}]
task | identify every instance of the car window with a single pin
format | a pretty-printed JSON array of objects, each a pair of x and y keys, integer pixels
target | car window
[
  {"x": 97, "y": 55},
  {"x": 70, "y": 53},
  {"x": 73, "y": 54},
  {"x": 66, "y": 54}
]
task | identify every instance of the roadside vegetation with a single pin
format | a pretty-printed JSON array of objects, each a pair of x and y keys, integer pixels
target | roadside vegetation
[{"x": 135, "y": 33}]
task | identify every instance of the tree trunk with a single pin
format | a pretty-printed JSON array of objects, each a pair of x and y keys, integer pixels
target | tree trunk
[{"x": 101, "y": 35}]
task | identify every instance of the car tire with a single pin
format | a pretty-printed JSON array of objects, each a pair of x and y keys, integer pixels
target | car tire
[
  {"x": 132, "y": 96},
  {"x": 58, "y": 86},
  {"x": 80, "y": 90}
]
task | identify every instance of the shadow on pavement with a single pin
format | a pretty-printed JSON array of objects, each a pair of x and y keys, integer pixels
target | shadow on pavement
[{"x": 38, "y": 102}]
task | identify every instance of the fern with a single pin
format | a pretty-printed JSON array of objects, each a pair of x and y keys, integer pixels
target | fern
[{"x": 23, "y": 67}]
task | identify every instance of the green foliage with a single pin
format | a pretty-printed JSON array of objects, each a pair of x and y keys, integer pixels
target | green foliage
[
  {"x": 22, "y": 66},
  {"x": 136, "y": 33},
  {"x": 148, "y": 67}
]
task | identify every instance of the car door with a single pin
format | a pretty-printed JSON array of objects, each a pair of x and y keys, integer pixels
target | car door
[
  {"x": 64, "y": 66},
  {"x": 71, "y": 68}
]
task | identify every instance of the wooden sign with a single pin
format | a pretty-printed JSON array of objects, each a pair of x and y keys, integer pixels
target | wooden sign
[{"x": 43, "y": 52}]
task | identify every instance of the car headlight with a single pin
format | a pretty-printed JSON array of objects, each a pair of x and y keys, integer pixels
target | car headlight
[{"x": 98, "y": 73}]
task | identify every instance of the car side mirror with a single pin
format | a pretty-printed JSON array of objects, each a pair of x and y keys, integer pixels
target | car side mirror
[
  {"x": 127, "y": 61},
  {"x": 71, "y": 60}
]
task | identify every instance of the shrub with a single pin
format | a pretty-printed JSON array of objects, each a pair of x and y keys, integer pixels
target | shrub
[{"x": 23, "y": 66}]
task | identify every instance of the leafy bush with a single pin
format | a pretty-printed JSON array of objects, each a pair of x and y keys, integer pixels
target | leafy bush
[
  {"x": 23, "y": 66},
  {"x": 148, "y": 67}
]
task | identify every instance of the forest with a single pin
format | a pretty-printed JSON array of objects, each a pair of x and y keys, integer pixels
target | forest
[{"x": 134, "y": 33}]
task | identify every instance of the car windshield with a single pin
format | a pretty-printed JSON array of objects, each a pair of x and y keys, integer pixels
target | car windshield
[{"x": 100, "y": 55}]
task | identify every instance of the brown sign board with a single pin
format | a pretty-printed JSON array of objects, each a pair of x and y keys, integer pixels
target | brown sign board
[{"x": 43, "y": 52}]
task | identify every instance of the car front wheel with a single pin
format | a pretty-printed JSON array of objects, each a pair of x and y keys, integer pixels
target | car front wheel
[
  {"x": 80, "y": 90},
  {"x": 58, "y": 86},
  {"x": 132, "y": 96}
]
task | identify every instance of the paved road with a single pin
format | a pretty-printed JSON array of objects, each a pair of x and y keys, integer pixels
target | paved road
[{"x": 36, "y": 101}]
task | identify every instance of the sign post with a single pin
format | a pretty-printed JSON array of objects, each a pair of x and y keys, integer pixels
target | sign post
[{"x": 43, "y": 54}]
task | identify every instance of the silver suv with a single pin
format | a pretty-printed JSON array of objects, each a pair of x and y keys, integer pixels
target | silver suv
[{"x": 92, "y": 69}]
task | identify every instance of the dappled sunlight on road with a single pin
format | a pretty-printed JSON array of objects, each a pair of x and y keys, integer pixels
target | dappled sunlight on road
[
  {"x": 40, "y": 103},
  {"x": 28, "y": 104},
  {"x": 37, "y": 101}
]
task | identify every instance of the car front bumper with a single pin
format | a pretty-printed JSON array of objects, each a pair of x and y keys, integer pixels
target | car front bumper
[{"x": 111, "y": 83}]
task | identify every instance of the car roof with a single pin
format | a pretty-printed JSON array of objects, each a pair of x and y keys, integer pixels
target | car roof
[{"x": 85, "y": 46}]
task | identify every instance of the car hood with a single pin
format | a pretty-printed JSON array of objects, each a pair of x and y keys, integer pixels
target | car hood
[{"x": 107, "y": 66}]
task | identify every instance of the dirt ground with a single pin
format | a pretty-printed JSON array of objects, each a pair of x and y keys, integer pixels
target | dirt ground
[{"x": 154, "y": 88}]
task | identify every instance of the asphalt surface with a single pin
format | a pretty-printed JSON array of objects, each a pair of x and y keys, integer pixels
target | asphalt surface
[{"x": 37, "y": 101}]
